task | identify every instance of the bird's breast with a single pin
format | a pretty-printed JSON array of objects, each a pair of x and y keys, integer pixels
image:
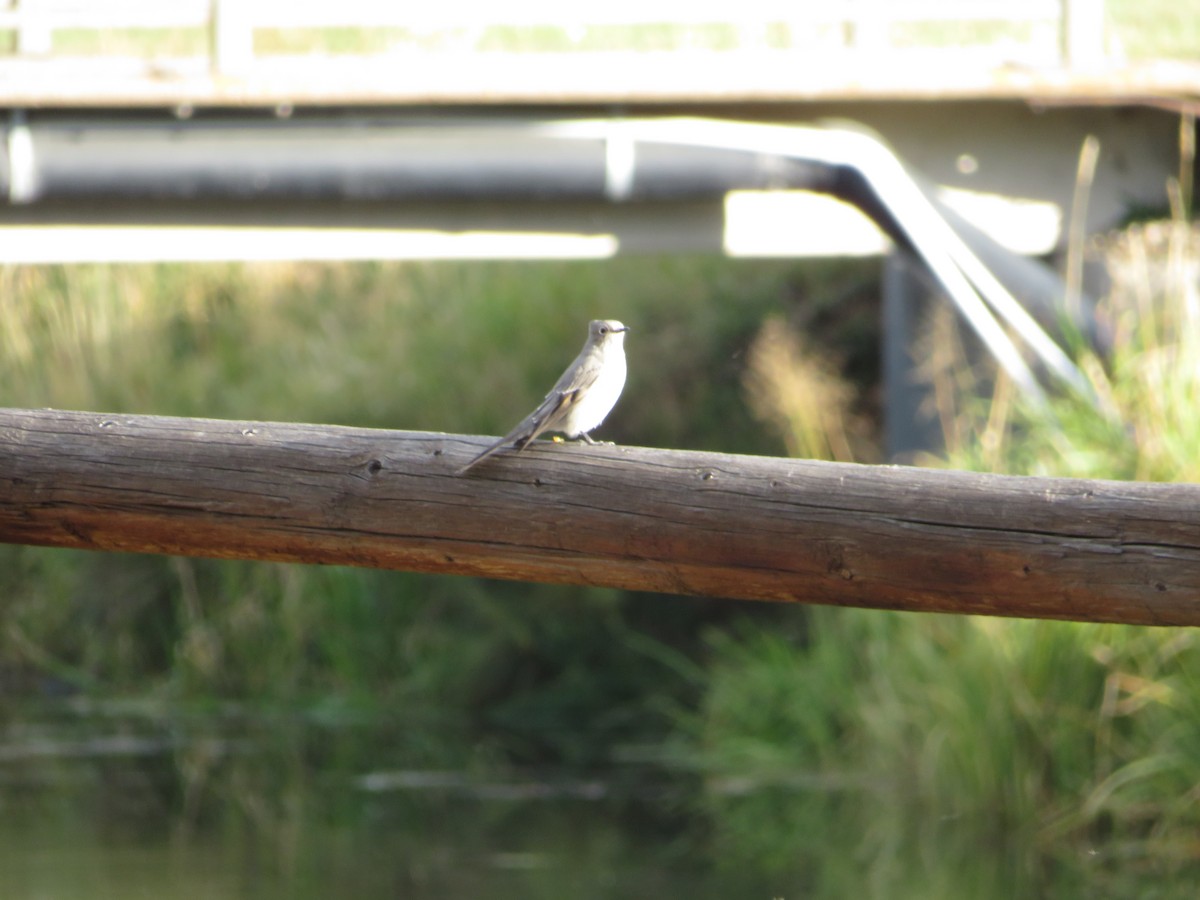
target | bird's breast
[{"x": 598, "y": 400}]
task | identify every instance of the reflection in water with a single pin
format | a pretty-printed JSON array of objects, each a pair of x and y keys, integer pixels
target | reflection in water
[
  {"x": 118, "y": 803},
  {"x": 107, "y": 805}
]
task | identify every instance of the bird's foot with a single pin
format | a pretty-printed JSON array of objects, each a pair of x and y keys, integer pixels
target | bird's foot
[{"x": 584, "y": 436}]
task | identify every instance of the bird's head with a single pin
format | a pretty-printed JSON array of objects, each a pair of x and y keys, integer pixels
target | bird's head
[{"x": 603, "y": 330}]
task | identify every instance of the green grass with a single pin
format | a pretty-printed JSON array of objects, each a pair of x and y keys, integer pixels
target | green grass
[
  {"x": 151, "y": 43},
  {"x": 1154, "y": 29},
  {"x": 1144, "y": 425},
  {"x": 1055, "y": 742},
  {"x": 1038, "y": 736},
  {"x": 455, "y": 347},
  {"x": 436, "y": 347},
  {"x": 1067, "y": 750}
]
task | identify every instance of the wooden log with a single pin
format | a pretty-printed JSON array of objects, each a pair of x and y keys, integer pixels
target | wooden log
[{"x": 654, "y": 520}]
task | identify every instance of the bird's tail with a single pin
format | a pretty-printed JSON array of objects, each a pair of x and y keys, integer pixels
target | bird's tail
[
  {"x": 518, "y": 443},
  {"x": 499, "y": 445}
]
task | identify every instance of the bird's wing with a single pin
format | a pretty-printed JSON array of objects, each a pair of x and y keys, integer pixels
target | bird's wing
[
  {"x": 564, "y": 395},
  {"x": 549, "y": 412},
  {"x": 578, "y": 377}
]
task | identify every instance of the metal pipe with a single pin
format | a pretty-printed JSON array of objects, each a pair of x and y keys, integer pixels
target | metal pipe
[
  {"x": 391, "y": 160},
  {"x": 361, "y": 159}
]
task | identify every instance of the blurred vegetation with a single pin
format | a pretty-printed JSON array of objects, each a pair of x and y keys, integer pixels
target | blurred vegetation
[
  {"x": 1054, "y": 741},
  {"x": 1153, "y": 29},
  {"x": 392, "y": 670},
  {"x": 1145, "y": 425},
  {"x": 518, "y": 673},
  {"x": 907, "y": 742}
]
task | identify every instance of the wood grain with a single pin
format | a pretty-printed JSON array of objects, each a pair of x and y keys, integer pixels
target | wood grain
[{"x": 654, "y": 520}]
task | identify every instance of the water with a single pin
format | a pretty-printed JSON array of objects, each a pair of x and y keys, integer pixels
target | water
[
  {"x": 108, "y": 804},
  {"x": 111, "y": 801}
]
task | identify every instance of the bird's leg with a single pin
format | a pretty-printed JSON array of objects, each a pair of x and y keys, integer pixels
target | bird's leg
[{"x": 584, "y": 436}]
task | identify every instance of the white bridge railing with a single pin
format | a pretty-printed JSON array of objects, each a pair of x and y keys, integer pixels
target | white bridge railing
[{"x": 1062, "y": 32}]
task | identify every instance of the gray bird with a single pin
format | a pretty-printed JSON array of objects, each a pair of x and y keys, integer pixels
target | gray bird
[{"x": 581, "y": 398}]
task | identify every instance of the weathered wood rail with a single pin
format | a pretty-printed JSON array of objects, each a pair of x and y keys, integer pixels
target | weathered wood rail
[{"x": 656, "y": 520}]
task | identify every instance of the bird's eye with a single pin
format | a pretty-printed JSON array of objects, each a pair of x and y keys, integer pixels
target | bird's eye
[{"x": 603, "y": 330}]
